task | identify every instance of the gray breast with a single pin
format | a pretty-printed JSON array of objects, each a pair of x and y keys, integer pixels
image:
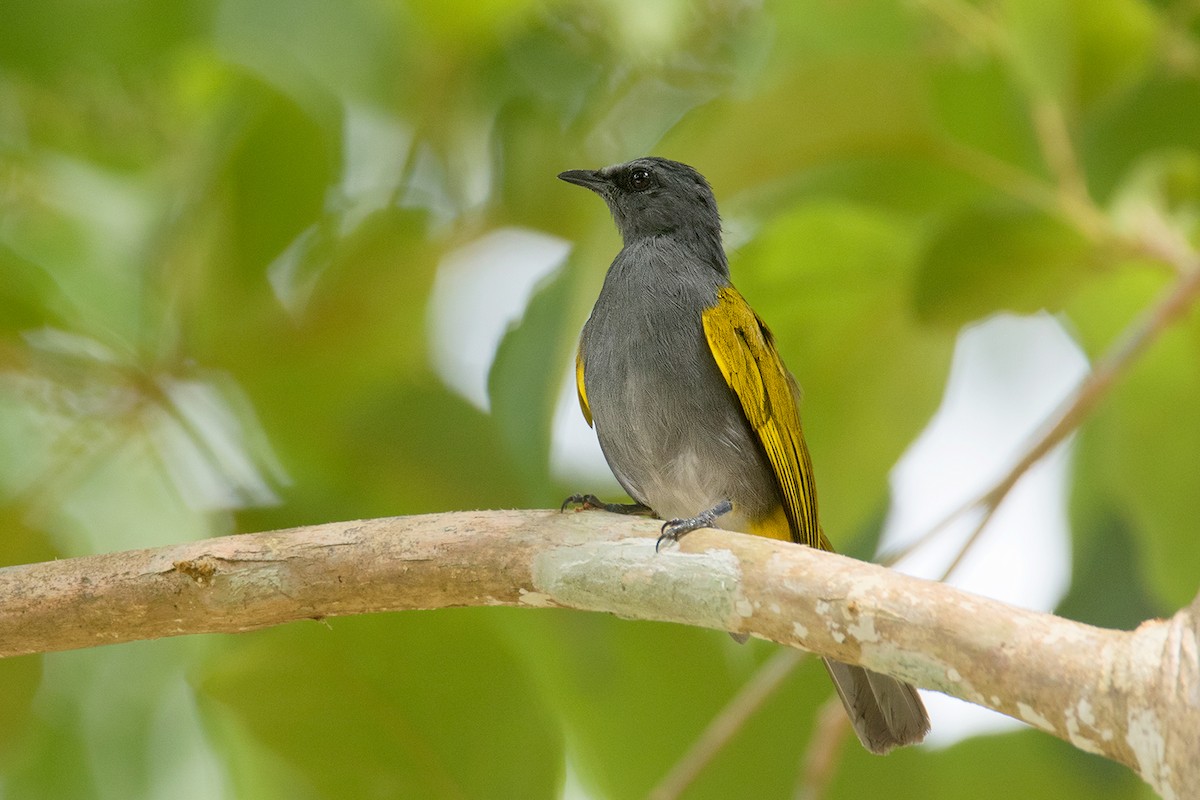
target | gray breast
[{"x": 671, "y": 429}]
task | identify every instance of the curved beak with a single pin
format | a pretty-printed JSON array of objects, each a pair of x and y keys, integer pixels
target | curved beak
[{"x": 587, "y": 178}]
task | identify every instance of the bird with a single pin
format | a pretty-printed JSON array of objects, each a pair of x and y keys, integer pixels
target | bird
[{"x": 695, "y": 412}]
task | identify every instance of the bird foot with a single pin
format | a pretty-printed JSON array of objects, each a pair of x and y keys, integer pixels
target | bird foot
[
  {"x": 586, "y": 501},
  {"x": 675, "y": 529}
]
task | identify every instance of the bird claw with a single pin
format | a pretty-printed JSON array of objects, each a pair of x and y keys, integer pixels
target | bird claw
[
  {"x": 669, "y": 534},
  {"x": 585, "y": 501},
  {"x": 675, "y": 529}
]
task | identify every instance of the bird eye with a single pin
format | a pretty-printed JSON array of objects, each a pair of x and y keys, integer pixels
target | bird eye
[{"x": 639, "y": 179}]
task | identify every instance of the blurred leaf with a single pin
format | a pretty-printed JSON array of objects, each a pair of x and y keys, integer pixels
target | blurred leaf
[
  {"x": 998, "y": 258},
  {"x": 308, "y": 50},
  {"x": 413, "y": 705},
  {"x": 1147, "y": 436},
  {"x": 916, "y": 185},
  {"x": 1105, "y": 307},
  {"x": 822, "y": 110},
  {"x": 273, "y": 199},
  {"x": 1155, "y": 456},
  {"x": 468, "y": 23},
  {"x": 980, "y": 106},
  {"x": 1042, "y": 42},
  {"x": 54, "y": 764},
  {"x": 543, "y": 65},
  {"x": 1162, "y": 112},
  {"x": 453, "y": 458},
  {"x": 93, "y": 723},
  {"x": 1027, "y": 764},
  {"x": 523, "y": 392},
  {"x": 1115, "y": 44},
  {"x": 831, "y": 280},
  {"x": 83, "y": 232},
  {"x": 25, "y": 293},
  {"x": 818, "y": 29},
  {"x": 1162, "y": 188},
  {"x": 637, "y": 694},
  {"x": 64, "y": 36},
  {"x": 1108, "y": 581},
  {"x": 532, "y": 151},
  {"x": 20, "y": 677}
]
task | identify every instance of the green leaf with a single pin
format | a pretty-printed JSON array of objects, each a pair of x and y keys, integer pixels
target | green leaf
[
  {"x": 25, "y": 293},
  {"x": 1154, "y": 458},
  {"x": 1042, "y": 41},
  {"x": 426, "y": 705},
  {"x": 522, "y": 384},
  {"x": 910, "y": 184},
  {"x": 1026, "y": 764},
  {"x": 1115, "y": 45},
  {"x": 19, "y": 680},
  {"x": 992, "y": 258},
  {"x": 1108, "y": 580},
  {"x": 1144, "y": 444},
  {"x": 979, "y": 105},
  {"x": 634, "y": 696},
  {"x": 271, "y": 201},
  {"x": 1163, "y": 186},
  {"x": 1159, "y": 113},
  {"x": 822, "y": 110}
]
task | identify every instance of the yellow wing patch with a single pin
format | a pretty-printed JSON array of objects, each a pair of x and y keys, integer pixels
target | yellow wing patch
[
  {"x": 580, "y": 388},
  {"x": 745, "y": 353}
]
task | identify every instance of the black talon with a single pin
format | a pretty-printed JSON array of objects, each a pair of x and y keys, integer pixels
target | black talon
[
  {"x": 665, "y": 535},
  {"x": 575, "y": 498},
  {"x": 676, "y": 529},
  {"x": 587, "y": 501}
]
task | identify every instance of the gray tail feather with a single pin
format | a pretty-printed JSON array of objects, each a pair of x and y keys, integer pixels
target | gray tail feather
[{"x": 885, "y": 712}]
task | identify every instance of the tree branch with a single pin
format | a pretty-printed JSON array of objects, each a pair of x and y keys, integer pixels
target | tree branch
[{"x": 1131, "y": 696}]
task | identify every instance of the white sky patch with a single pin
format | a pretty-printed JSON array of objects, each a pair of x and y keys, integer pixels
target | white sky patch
[
  {"x": 480, "y": 290},
  {"x": 1008, "y": 375}
]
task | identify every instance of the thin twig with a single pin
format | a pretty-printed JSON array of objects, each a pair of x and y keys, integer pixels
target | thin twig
[
  {"x": 1138, "y": 337},
  {"x": 1058, "y": 151},
  {"x": 894, "y": 557},
  {"x": 1000, "y": 174},
  {"x": 727, "y": 723},
  {"x": 1071, "y": 413},
  {"x": 971, "y": 24},
  {"x": 1021, "y": 185},
  {"x": 989, "y": 511},
  {"x": 824, "y": 748}
]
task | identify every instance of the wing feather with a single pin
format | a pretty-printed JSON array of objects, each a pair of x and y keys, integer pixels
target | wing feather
[
  {"x": 580, "y": 389},
  {"x": 744, "y": 350}
]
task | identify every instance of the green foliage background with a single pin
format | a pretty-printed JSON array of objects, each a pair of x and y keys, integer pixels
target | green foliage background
[{"x": 219, "y": 227}]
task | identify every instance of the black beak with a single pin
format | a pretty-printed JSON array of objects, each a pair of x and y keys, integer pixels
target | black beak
[{"x": 587, "y": 178}]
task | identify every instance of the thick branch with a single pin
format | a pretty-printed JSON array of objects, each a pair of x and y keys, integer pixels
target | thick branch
[{"x": 1132, "y": 696}]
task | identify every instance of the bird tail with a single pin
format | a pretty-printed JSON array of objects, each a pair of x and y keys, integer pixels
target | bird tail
[{"x": 885, "y": 712}]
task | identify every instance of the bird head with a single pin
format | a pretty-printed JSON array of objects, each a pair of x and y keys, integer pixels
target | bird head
[{"x": 654, "y": 197}]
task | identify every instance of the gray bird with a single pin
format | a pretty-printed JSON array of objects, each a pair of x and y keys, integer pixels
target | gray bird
[{"x": 695, "y": 412}]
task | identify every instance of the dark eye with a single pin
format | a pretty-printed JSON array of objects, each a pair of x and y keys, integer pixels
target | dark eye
[{"x": 639, "y": 179}]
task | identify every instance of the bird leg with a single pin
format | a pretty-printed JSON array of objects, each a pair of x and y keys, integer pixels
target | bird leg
[
  {"x": 676, "y": 529},
  {"x": 587, "y": 501}
]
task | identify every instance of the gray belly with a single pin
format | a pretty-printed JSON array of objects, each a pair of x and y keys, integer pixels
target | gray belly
[{"x": 671, "y": 429}]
